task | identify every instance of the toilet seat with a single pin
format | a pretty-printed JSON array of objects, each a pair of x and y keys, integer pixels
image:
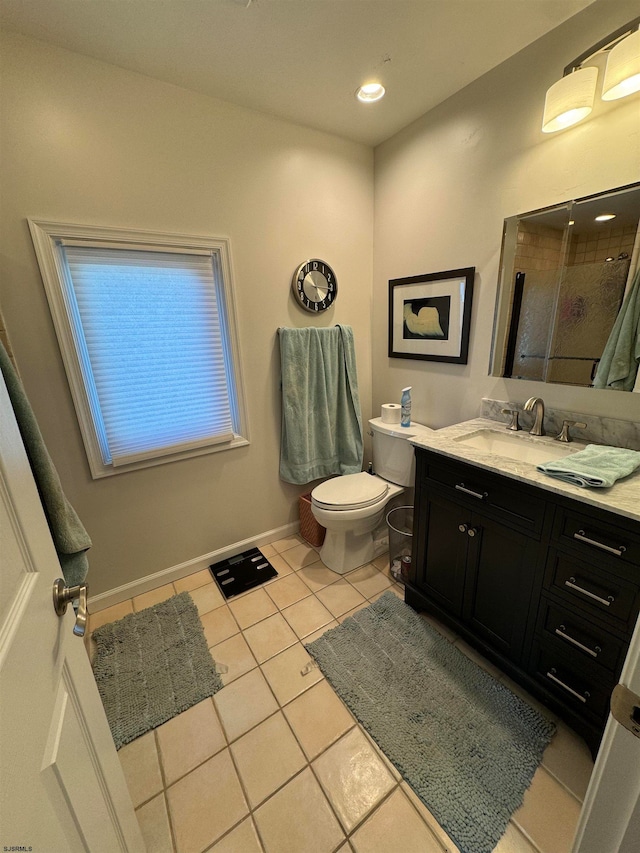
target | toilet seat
[{"x": 351, "y": 491}]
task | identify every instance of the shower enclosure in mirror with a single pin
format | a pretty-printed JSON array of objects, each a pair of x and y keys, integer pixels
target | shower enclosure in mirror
[{"x": 564, "y": 275}]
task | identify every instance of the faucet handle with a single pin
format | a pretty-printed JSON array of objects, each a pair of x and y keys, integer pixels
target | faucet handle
[
  {"x": 514, "y": 425},
  {"x": 564, "y": 434}
]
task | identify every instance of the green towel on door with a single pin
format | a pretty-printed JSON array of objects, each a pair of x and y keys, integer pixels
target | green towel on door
[
  {"x": 321, "y": 420},
  {"x": 596, "y": 466},
  {"x": 70, "y": 538}
]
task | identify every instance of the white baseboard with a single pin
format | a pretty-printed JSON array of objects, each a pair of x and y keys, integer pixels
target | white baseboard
[{"x": 137, "y": 587}]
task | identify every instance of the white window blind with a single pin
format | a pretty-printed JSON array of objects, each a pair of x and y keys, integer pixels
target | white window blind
[{"x": 153, "y": 353}]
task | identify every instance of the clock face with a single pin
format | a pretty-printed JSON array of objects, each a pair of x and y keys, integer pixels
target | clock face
[{"x": 314, "y": 285}]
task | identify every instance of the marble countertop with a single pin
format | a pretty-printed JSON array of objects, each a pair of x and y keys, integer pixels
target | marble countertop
[{"x": 622, "y": 498}]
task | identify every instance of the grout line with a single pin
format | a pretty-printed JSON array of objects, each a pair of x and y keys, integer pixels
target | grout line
[
  {"x": 344, "y": 832},
  {"x": 241, "y": 782},
  {"x": 216, "y": 662},
  {"x": 526, "y": 835},
  {"x": 518, "y": 829},
  {"x": 374, "y": 809},
  {"x": 562, "y": 784},
  {"x": 249, "y": 815},
  {"x": 172, "y": 830},
  {"x": 228, "y": 832},
  {"x": 445, "y": 848},
  {"x": 573, "y": 796},
  {"x": 163, "y": 775}
]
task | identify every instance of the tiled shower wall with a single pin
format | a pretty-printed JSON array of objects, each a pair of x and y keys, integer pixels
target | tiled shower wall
[{"x": 606, "y": 243}]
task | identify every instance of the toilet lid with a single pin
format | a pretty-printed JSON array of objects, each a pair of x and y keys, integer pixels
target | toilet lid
[{"x": 349, "y": 492}]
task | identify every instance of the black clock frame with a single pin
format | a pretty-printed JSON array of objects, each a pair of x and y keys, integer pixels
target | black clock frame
[{"x": 314, "y": 265}]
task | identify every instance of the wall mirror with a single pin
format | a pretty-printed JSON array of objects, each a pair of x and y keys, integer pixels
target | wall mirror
[{"x": 564, "y": 274}]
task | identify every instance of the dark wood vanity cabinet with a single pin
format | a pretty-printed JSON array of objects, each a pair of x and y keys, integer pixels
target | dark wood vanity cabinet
[
  {"x": 471, "y": 564},
  {"x": 544, "y": 586}
]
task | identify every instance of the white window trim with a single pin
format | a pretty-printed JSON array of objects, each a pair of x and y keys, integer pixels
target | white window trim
[{"x": 46, "y": 238}]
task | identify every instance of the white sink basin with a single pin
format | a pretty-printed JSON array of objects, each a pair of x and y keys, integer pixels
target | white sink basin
[{"x": 519, "y": 447}]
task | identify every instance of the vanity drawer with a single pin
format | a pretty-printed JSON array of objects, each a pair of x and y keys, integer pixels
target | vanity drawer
[
  {"x": 581, "y": 689},
  {"x": 580, "y": 637},
  {"x": 514, "y": 505},
  {"x": 596, "y": 539},
  {"x": 592, "y": 589}
]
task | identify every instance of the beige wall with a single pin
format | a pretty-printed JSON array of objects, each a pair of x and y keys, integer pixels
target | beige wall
[
  {"x": 86, "y": 142},
  {"x": 445, "y": 184}
]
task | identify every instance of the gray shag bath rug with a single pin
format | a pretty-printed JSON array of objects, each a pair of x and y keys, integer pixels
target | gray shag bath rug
[
  {"x": 465, "y": 743},
  {"x": 152, "y": 665}
]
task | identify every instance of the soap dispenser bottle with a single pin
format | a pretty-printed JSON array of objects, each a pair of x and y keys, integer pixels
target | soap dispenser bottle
[{"x": 405, "y": 402}]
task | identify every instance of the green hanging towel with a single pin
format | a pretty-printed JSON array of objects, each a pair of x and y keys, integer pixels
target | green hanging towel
[
  {"x": 619, "y": 363},
  {"x": 321, "y": 420},
  {"x": 70, "y": 539}
]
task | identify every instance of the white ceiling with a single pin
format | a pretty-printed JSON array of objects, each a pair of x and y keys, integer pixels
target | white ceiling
[{"x": 301, "y": 60}]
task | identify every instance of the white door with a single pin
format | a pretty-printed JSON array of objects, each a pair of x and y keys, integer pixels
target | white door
[
  {"x": 61, "y": 786},
  {"x": 610, "y": 818}
]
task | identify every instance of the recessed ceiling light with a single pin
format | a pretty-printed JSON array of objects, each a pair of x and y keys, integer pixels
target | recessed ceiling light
[
  {"x": 605, "y": 217},
  {"x": 370, "y": 92}
]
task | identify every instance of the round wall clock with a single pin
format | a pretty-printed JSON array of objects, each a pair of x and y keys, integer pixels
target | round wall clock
[{"x": 314, "y": 285}]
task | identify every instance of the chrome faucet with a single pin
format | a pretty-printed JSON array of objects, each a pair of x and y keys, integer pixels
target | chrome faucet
[{"x": 536, "y": 403}]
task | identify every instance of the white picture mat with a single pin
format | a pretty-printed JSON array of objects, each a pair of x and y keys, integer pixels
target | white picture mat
[{"x": 455, "y": 288}]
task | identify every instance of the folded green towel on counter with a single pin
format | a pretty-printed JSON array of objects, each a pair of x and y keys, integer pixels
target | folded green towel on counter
[{"x": 596, "y": 466}]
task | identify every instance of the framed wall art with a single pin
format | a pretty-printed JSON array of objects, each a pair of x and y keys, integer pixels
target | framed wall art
[{"x": 430, "y": 316}]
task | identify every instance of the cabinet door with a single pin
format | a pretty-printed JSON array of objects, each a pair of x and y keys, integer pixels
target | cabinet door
[
  {"x": 500, "y": 574},
  {"x": 441, "y": 576}
]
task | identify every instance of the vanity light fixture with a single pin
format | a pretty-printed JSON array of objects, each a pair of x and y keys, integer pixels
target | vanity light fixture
[
  {"x": 622, "y": 74},
  {"x": 571, "y": 99},
  {"x": 370, "y": 92}
]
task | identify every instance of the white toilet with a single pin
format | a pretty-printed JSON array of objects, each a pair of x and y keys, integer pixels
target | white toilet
[{"x": 352, "y": 507}]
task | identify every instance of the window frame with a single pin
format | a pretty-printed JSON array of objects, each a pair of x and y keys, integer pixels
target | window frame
[{"x": 47, "y": 239}]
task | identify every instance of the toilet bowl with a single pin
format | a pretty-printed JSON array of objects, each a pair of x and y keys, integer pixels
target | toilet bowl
[{"x": 351, "y": 507}]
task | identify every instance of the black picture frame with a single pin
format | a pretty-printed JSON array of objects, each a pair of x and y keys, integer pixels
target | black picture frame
[{"x": 430, "y": 316}]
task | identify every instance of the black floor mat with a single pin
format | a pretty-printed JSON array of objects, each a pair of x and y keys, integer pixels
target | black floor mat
[{"x": 242, "y": 572}]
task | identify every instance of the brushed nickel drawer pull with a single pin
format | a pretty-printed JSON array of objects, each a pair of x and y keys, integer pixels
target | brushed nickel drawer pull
[
  {"x": 582, "y": 537},
  {"x": 608, "y": 601},
  {"x": 581, "y": 696},
  {"x": 561, "y": 632},
  {"x": 462, "y": 488}
]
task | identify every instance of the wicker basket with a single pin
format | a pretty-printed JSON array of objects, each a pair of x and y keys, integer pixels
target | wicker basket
[{"x": 310, "y": 530}]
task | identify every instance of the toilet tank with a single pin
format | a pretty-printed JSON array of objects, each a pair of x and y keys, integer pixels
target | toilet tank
[{"x": 393, "y": 453}]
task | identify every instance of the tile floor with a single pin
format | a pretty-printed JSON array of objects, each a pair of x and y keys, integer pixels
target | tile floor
[{"x": 275, "y": 762}]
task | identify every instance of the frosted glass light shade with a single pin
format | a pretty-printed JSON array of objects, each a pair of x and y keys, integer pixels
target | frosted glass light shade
[
  {"x": 622, "y": 74},
  {"x": 569, "y": 100}
]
